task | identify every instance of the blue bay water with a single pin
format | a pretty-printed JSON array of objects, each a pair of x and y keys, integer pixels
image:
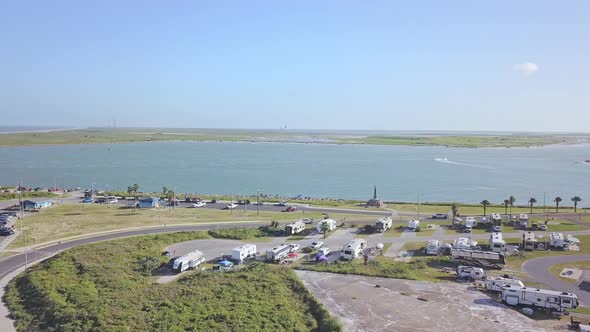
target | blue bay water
[{"x": 318, "y": 170}]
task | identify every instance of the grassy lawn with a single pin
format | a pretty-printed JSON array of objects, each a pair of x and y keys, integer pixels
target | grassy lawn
[
  {"x": 302, "y": 235},
  {"x": 558, "y": 225},
  {"x": 386, "y": 246},
  {"x": 581, "y": 310},
  {"x": 425, "y": 232},
  {"x": 557, "y": 268},
  {"x": 515, "y": 262},
  {"x": 393, "y": 233},
  {"x": 77, "y": 219},
  {"x": 425, "y": 269},
  {"x": 27, "y": 194},
  {"x": 414, "y": 246},
  {"x": 469, "y": 209},
  {"x": 109, "y": 286}
]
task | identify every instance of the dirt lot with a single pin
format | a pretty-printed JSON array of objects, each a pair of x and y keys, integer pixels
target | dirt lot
[{"x": 403, "y": 305}]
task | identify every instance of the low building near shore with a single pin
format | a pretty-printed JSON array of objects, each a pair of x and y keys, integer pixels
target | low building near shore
[
  {"x": 37, "y": 204},
  {"x": 149, "y": 202}
]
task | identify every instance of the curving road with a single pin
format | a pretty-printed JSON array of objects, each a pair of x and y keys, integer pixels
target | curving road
[{"x": 538, "y": 269}]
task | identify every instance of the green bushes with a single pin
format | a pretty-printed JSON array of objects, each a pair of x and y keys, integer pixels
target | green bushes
[
  {"x": 237, "y": 233},
  {"x": 108, "y": 286}
]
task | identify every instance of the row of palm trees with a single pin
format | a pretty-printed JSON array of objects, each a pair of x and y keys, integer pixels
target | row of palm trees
[{"x": 509, "y": 203}]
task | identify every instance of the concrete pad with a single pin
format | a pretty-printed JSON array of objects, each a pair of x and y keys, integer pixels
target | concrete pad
[
  {"x": 571, "y": 273},
  {"x": 404, "y": 305}
]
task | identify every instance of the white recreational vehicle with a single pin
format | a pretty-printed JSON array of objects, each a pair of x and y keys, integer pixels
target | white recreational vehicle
[
  {"x": 496, "y": 219},
  {"x": 432, "y": 247},
  {"x": 478, "y": 258},
  {"x": 469, "y": 224},
  {"x": 244, "y": 252},
  {"x": 383, "y": 224},
  {"x": 413, "y": 225},
  {"x": 294, "y": 228},
  {"x": 523, "y": 221},
  {"x": 470, "y": 272},
  {"x": 497, "y": 284},
  {"x": 539, "y": 298},
  {"x": 330, "y": 222},
  {"x": 497, "y": 243},
  {"x": 353, "y": 249},
  {"x": 190, "y": 260},
  {"x": 278, "y": 253},
  {"x": 556, "y": 240},
  {"x": 464, "y": 243},
  {"x": 529, "y": 242}
]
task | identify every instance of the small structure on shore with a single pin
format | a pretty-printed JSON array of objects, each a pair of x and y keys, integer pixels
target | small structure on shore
[
  {"x": 374, "y": 202},
  {"x": 148, "y": 202},
  {"x": 36, "y": 204}
]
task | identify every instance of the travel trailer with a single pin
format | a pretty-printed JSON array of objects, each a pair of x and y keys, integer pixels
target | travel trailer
[
  {"x": 294, "y": 228},
  {"x": 278, "y": 253},
  {"x": 432, "y": 247},
  {"x": 244, "y": 252},
  {"x": 469, "y": 224},
  {"x": 497, "y": 284},
  {"x": 464, "y": 243},
  {"x": 556, "y": 240},
  {"x": 497, "y": 243},
  {"x": 523, "y": 221},
  {"x": 383, "y": 224},
  {"x": 478, "y": 258},
  {"x": 529, "y": 242},
  {"x": 496, "y": 219},
  {"x": 470, "y": 272},
  {"x": 539, "y": 298},
  {"x": 413, "y": 225},
  {"x": 353, "y": 249},
  {"x": 330, "y": 222},
  {"x": 190, "y": 260}
]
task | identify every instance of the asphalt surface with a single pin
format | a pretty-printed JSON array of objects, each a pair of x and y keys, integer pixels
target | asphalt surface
[{"x": 538, "y": 269}]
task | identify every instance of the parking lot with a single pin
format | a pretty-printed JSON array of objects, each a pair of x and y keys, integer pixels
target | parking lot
[{"x": 382, "y": 304}]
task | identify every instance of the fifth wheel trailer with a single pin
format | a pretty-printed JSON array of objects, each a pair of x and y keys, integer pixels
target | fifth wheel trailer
[
  {"x": 383, "y": 224},
  {"x": 190, "y": 260},
  {"x": 485, "y": 259},
  {"x": 295, "y": 228},
  {"x": 241, "y": 253},
  {"x": 497, "y": 284},
  {"x": 539, "y": 298},
  {"x": 353, "y": 249},
  {"x": 278, "y": 253}
]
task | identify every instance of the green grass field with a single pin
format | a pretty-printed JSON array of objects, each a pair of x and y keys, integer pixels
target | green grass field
[
  {"x": 460, "y": 141},
  {"x": 556, "y": 269},
  {"x": 26, "y": 195},
  {"x": 69, "y": 220},
  {"x": 515, "y": 262},
  {"x": 109, "y": 286}
]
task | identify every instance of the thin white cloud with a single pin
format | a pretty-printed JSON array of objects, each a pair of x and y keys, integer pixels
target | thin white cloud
[{"x": 526, "y": 68}]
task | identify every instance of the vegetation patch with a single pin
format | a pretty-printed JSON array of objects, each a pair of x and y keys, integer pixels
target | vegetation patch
[
  {"x": 27, "y": 194},
  {"x": 109, "y": 286}
]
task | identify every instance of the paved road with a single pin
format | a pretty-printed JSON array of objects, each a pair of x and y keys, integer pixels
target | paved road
[{"x": 538, "y": 269}]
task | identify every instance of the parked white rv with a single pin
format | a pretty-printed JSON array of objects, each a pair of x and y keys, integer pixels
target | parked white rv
[
  {"x": 330, "y": 222},
  {"x": 432, "y": 247},
  {"x": 383, "y": 224},
  {"x": 556, "y": 240},
  {"x": 469, "y": 224},
  {"x": 497, "y": 243},
  {"x": 413, "y": 225},
  {"x": 295, "y": 228},
  {"x": 497, "y": 284},
  {"x": 523, "y": 221},
  {"x": 496, "y": 219},
  {"x": 244, "y": 252},
  {"x": 190, "y": 260},
  {"x": 278, "y": 253},
  {"x": 464, "y": 243},
  {"x": 539, "y": 298},
  {"x": 529, "y": 241},
  {"x": 353, "y": 249},
  {"x": 478, "y": 258},
  {"x": 470, "y": 272}
]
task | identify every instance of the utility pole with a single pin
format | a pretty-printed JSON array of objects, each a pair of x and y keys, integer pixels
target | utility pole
[
  {"x": 22, "y": 216},
  {"x": 257, "y": 202}
]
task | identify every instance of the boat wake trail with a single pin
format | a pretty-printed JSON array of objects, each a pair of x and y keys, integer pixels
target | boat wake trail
[{"x": 444, "y": 160}]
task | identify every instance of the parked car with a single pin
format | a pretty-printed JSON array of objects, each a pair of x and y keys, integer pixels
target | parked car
[
  {"x": 231, "y": 206},
  {"x": 198, "y": 204},
  {"x": 324, "y": 251},
  {"x": 282, "y": 203},
  {"x": 213, "y": 201},
  {"x": 6, "y": 231},
  {"x": 294, "y": 247},
  {"x": 316, "y": 245},
  {"x": 497, "y": 228},
  {"x": 290, "y": 209},
  {"x": 307, "y": 221},
  {"x": 543, "y": 227},
  {"x": 87, "y": 200},
  {"x": 534, "y": 227},
  {"x": 440, "y": 216}
]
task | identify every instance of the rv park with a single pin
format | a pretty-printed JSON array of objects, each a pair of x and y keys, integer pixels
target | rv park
[{"x": 488, "y": 272}]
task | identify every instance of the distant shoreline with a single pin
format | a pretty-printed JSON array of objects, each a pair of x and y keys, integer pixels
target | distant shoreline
[{"x": 38, "y": 130}]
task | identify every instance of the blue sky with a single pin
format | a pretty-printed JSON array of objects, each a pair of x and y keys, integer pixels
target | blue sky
[{"x": 421, "y": 65}]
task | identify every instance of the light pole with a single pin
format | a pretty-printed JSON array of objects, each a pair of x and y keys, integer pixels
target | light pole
[{"x": 257, "y": 202}]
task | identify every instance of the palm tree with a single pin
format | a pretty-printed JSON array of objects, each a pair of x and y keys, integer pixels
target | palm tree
[
  {"x": 511, "y": 199},
  {"x": 506, "y": 203},
  {"x": 485, "y": 204},
  {"x": 325, "y": 228},
  {"x": 576, "y": 200},
  {"x": 455, "y": 210},
  {"x": 557, "y": 200},
  {"x": 532, "y": 201}
]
